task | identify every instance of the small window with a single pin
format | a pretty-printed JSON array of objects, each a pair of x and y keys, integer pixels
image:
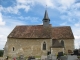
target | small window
[
  {"x": 62, "y": 42},
  {"x": 13, "y": 48},
  {"x": 44, "y": 46}
]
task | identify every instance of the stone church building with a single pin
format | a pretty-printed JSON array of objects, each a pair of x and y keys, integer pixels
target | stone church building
[{"x": 38, "y": 40}]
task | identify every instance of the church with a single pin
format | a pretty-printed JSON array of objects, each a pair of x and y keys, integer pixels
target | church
[{"x": 38, "y": 40}]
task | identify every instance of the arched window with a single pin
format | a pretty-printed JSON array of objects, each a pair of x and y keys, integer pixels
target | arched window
[
  {"x": 62, "y": 42},
  {"x": 13, "y": 48},
  {"x": 44, "y": 46}
]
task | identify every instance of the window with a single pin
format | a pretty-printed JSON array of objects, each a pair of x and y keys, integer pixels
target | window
[
  {"x": 13, "y": 48},
  {"x": 44, "y": 46},
  {"x": 62, "y": 42}
]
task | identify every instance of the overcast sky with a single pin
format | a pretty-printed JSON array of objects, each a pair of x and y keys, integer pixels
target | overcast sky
[{"x": 31, "y": 12}]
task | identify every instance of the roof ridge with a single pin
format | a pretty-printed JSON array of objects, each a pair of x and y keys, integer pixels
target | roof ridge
[
  {"x": 60, "y": 26},
  {"x": 29, "y": 25}
]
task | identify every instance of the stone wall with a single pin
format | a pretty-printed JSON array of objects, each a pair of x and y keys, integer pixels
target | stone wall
[
  {"x": 27, "y": 47},
  {"x": 33, "y": 47},
  {"x": 55, "y": 51},
  {"x": 69, "y": 44}
]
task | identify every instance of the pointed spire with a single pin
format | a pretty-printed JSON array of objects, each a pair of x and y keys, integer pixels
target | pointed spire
[
  {"x": 46, "y": 19},
  {"x": 46, "y": 16}
]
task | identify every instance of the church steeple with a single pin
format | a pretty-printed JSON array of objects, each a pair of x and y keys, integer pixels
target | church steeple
[{"x": 46, "y": 19}]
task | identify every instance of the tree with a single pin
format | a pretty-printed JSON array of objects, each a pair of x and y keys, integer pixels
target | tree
[{"x": 1, "y": 53}]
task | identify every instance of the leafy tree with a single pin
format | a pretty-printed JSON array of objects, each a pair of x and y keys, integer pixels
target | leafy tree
[{"x": 1, "y": 53}]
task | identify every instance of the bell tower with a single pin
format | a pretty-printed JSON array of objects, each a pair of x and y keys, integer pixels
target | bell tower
[{"x": 46, "y": 19}]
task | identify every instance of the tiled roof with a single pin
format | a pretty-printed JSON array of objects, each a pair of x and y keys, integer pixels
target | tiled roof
[
  {"x": 36, "y": 31},
  {"x": 39, "y": 31},
  {"x": 62, "y": 32}
]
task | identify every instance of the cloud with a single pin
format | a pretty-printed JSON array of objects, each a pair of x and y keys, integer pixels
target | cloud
[
  {"x": 77, "y": 24},
  {"x": 66, "y": 3},
  {"x": 1, "y": 8},
  {"x": 4, "y": 31},
  {"x": 63, "y": 24},
  {"x": 72, "y": 14},
  {"x": 1, "y": 20},
  {"x": 49, "y": 3},
  {"x": 24, "y": 4},
  {"x": 32, "y": 19},
  {"x": 76, "y": 32},
  {"x": 77, "y": 43},
  {"x": 15, "y": 9},
  {"x": 1, "y": 36},
  {"x": 22, "y": 19},
  {"x": 61, "y": 5}
]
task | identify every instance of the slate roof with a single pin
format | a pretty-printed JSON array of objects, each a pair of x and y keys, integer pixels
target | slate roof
[
  {"x": 39, "y": 31},
  {"x": 46, "y": 16}
]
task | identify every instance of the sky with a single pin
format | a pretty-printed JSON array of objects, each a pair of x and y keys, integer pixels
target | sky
[{"x": 31, "y": 12}]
